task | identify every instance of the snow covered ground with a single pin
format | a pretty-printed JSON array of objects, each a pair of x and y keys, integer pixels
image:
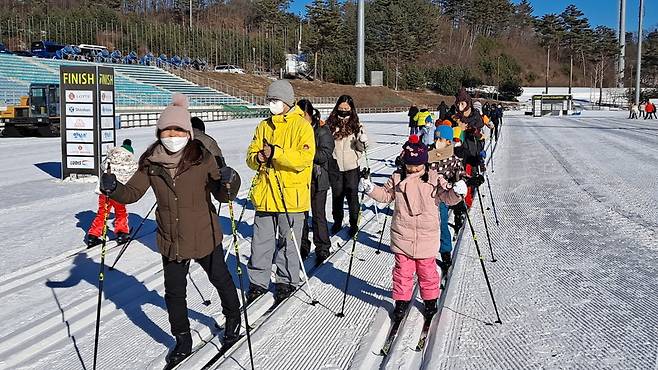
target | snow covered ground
[{"x": 574, "y": 279}]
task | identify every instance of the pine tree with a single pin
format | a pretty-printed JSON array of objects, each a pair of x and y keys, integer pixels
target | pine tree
[
  {"x": 575, "y": 34},
  {"x": 550, "y": 30}
]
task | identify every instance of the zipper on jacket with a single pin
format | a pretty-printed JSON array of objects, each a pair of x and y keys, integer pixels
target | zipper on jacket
[{"x": 177, "y": 231}]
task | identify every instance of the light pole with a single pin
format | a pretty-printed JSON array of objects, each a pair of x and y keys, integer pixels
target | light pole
[
  {"x": 361, "y": 45},
  {"x": 621, "y": 66},
  {"x": 638, "y": 68}
]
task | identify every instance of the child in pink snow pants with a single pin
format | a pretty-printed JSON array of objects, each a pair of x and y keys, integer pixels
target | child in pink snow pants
[{"x": 417, "y": 192}]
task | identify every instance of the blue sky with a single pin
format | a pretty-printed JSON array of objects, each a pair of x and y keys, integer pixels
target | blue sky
[{"x": 599, "y": 12}]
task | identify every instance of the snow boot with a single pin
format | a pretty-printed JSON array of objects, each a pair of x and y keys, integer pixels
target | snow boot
[
  {"x": 231, "y": 331},
  {"x": 92, "y": 241},
  {"x": 182, "y": 350},
  {"x": 321, "y": 255},
  {"x": 400, "y": 309},
  {"x": 336, "y": 227},
  {"x": 282, "y": 291},
  {"x": 122, "y": 238},
  {"x": 430, "y": 307},
  {"x": 353, "y": 230},
  {"x": 445, "y": 262},
  {"x": 254, "y": 292},
  {"x": 459, "y": 222},
  {"x": 305, "y": 249}
]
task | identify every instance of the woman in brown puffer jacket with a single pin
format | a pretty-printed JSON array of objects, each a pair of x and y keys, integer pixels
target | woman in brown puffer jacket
[{"x": 183, "y": 175}]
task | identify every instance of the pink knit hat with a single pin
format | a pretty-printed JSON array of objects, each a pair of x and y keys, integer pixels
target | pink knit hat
[{"x": 176, "y": 115}]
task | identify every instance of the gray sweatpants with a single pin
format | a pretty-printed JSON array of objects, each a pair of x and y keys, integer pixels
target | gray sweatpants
[{"x": 268, "y": 245}]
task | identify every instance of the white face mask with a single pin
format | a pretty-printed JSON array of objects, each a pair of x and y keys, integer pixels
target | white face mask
[
  {"x": 276, "y": 107},
  {"x": 174, "y": 144}
]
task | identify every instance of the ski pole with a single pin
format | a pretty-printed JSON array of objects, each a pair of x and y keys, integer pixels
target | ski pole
[
  {"x": 349, "y": 269},
  {"x": 365, "y": 154},
  {"x": 294, "y": 240},
  {"x": 101, "y": 275},
  {"x": 493, "y": 204},
  {"x": 206, "y": 302},
  {"x": 381, "y": 236},
  {"x": 484, "y": 269},
  {"x": 238, "y": 268},
  {"x": 486, "y": 226},
  {"x": 254, "y": 180},
  {"x": 125, "y": 246}
]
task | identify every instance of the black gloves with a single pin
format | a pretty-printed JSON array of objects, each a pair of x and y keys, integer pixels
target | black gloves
[
  {"x": 475, "y": 181},
  {"x": 365, "y": 173},
  {"x": 227, "y": 175},
  {"x": 108, "y": 183}
]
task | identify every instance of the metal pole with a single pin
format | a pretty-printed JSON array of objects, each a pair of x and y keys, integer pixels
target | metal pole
[
  {"x": 190, "y": 14},
  {"x": 638, "y": 69},
  {"x": 622, "y": 43},
  {"x": 361, "y": 46}
]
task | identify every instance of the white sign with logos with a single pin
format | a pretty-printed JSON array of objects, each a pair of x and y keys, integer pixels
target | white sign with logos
[
  {"x": 79, "y": 96},
  {"x": 85, "y": 123},
  {"x": 107, "y": 110},
  {"x": 80, "y": 162},
  {"x": 107, "y": 122},
  {"x": 107, "y": 135},
  {"x": 107, "y": 97},
  {"x": 80, "y": 136},
  {"x": 80, "y": 149},
  {"x": 86, "y": 110},
  {"x": 105, "y": 147}
]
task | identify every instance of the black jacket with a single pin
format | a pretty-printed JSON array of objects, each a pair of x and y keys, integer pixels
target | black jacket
[
  {"x": 412, "y": 113},
  {"x": 324, "y": 152},
  {"x": 472, "y": 144}
]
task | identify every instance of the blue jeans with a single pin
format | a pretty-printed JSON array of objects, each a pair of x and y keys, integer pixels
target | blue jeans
[{"x": 446, "y": 238}]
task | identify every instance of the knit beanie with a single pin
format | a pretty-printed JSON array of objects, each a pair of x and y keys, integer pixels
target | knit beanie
[
  {"x": 444, "y": 132},
  {"x": 127, "y": 145},
  {"x": 176, "y": 115},
  {"x": 447, "y": 122},
  {"x": 281, "y": 90},
  {"x": 462, "y": 95},
  {"x": 414, "y": 151}
]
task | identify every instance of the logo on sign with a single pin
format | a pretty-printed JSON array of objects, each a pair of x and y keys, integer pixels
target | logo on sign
[
  {"x": 80, "y": 136},
  {"x": 107, "y": 122},
  {"x": 80, "y": 109},
  {"x": 107, "y": 97},
  {"x": 80, "y": 162},
  {"x": 80, "y": 149},
  {"x": 108, "y": 135},
  {"x": 79, "y": 96},
  {"x": 107, "y": 109}
]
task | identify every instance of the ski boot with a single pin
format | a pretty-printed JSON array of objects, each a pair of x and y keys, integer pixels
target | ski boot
[
  {"x": 282, "y": 291},
  {"x": 354, "y": 229},
  {"x": 182, "y": 350},
  {"x": 305, "y": 249},
  {"x": 122, "y": 238},
  {"x": 254, "y": 292},
  {"x": 92, "y": 241},
  {"x": 336, "y": 227},
  {"x": 321, "y": 255},
  {"x": 231, "y": 331},
  {"x": 400, "y": 309},
  {"x": 430, "y": 308}
]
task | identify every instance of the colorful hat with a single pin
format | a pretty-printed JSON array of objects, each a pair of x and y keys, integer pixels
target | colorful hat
[
  {"x": 414, "y": 151},
  {"x": 444, "y": 132}
]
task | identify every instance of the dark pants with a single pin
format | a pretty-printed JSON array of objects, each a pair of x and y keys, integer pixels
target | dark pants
[
  {"x": 345, "y": 184},
  {"x": 175, "y": 276},
  {"x": 318, "y": 221},
  {"x": 496, "y": 123}
]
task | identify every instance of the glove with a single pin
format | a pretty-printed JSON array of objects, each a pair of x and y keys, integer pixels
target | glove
[
  {"x": 365, "y": 173},
  {"x": 108, "y": 183},
  {"x": 483, "y": 154},
  {"x": 460, "y": 188},
  {"x": 227, "y": 175},
  {"x": 267, "y": 151},
  {"x": 475, "y": 181},
  {"x": 363, "y": 137},
  {"x": 367, "y": 186},
  {"x": 399, "y": 162}
]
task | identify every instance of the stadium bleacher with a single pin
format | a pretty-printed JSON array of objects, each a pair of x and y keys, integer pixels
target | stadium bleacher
[{"x": 135, "y": 85}]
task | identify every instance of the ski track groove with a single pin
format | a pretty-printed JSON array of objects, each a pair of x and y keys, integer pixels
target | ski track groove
[{"x": 587, "y": 298}]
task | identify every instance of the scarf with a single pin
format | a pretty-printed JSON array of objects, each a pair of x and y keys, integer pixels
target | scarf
[{"x": 168, "y": 161}]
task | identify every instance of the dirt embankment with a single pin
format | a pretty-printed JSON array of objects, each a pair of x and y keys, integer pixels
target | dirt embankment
[{"x": 364, "y": 97}]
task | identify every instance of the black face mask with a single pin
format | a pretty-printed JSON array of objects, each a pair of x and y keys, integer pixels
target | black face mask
[{"x": 343, "y": 113}]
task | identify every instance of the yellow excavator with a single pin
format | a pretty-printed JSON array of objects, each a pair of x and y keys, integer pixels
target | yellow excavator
[{"x": 36, "y": 114}]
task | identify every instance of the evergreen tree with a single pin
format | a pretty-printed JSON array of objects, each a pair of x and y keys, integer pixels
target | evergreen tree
[{"x": 575, "y": 35}]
